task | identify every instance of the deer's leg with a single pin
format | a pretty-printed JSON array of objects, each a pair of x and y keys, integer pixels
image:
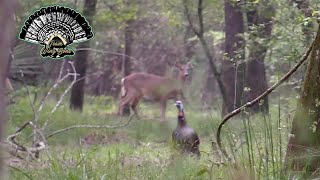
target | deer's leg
[
  {"x": 134, "y": 106},
  {"x": 123, "y": 101},
  {"x": 163, "y": 110},
  {"x": 120, "y": 108}
]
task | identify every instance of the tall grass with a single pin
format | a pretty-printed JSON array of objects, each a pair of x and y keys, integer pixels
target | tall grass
[{"x": 142, "y": 150}]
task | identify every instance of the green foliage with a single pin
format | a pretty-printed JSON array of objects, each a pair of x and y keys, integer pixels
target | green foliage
[
  {"x": 143, "y": 150},
  {"x": 116, "y": 13}
]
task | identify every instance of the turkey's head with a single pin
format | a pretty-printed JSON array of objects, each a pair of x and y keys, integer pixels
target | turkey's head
[{"x": 179, "y": 105}]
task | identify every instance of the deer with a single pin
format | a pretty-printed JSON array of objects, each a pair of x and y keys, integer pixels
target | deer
[{"x": 140, "y": 85}]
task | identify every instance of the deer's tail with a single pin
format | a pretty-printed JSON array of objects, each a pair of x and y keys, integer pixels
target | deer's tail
[{"x": 123, "y": 88}]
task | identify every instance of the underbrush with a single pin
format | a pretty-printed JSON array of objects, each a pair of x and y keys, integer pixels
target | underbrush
[{"x": 142, "y": 149}]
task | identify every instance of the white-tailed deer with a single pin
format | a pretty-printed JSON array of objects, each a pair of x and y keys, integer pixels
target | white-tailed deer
[{"x": 150, "y": 86}]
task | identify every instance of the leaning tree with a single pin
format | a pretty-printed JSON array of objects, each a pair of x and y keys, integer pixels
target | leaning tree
[{"x": 304, "y": 142}]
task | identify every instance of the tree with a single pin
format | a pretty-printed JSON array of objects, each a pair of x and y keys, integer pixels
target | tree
[
  {"x": 233, "y": 66},
  {"x": 210, "y": 55},
  {"x": 126, "y": 66},
  {"x": 81, "y": 61},
  {"x": 7, "y": 9},
  {"x": 304, "y": 140},
  {"x": 259, "y": 20}
]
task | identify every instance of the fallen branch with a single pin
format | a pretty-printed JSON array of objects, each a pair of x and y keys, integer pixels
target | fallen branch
[
  {"x": 89, "y": 126},
  {"x": 14, "y": 147},
  {"x": 20, "y": 151},
  {"x": 11, "y": 138},
  {"x": 256, "y": 100},
  {"x": 17, "y": 148}
]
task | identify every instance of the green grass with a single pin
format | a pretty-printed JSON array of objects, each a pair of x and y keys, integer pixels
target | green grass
[{"x": 142, "y": 150}]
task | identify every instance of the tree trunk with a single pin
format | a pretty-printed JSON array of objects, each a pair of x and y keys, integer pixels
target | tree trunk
[
  {"x": 188, "y": 46},
  {"x": 128, "y": 38},
  {"x": 81, "y": 61},
  {"x": 304, "y": 142},
  {"x": 210, "y": 87},
  {"x": 200, "y": 34},
  {"x": 7, "y": 10},
  {"x": 260, "y": 27},
  {"x": 233, "y": 67}
]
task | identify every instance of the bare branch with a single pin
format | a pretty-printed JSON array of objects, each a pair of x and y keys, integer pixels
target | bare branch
[
  {"x": 20, "y": 148},
  {"x": 61, "y": 69},
  {"x": 39, "y": 146},
  {"x": 35, "y": 131},
  {"x": 43, "y": 101},
  {"x": 65, "y": 92},
  {"x": 11, "y": 138},
  {"x": 256, "y": 100},
  {"x": 35, "y": 114},
  {"x": 92, "y": 74},
  {"x": 90, "y": 126},
  {"x": 69, "y": 87}
]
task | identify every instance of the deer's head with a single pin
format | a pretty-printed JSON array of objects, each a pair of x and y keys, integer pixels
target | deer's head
[{"x": 184, "y": 70}]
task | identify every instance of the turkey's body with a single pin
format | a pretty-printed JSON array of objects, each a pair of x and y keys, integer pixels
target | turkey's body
[{"x": 186, "y": 139}]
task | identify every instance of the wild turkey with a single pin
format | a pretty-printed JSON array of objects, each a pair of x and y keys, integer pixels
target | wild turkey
[{"x": 184, "y": 137}]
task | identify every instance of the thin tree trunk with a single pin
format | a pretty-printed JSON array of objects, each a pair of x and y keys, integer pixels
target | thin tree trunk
[
  {"x": 209, "y": 54},
  {"x": 188, "y": 47},
  {"x": 81, "y": 61},
  {"x": 260, "y": 25},
  {"x": 7, "y": 10},
  {"x": 128, "y": 38},
  {"x": 304, "y": 142},
  {"x": 210, "y": 88},
  {"x": 233, "y": 66}
]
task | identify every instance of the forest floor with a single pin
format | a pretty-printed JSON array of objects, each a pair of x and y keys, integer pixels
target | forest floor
[{"x": 143, "y": 149}]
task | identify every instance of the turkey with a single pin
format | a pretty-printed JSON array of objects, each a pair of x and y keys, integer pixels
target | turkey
[{"x": 184, "y": 137}]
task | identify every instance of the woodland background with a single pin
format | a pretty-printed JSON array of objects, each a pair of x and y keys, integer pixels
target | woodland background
[{"x": 238, "y": 50}]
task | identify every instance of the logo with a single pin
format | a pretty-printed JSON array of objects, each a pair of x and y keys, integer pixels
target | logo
[{"x": 56, "y": 27}]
